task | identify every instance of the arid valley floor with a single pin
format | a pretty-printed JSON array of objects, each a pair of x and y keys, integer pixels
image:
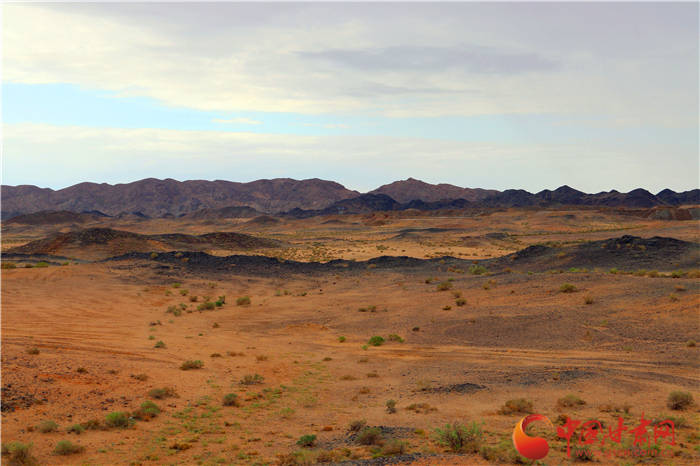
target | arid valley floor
[{"x": 475, "y": 309}]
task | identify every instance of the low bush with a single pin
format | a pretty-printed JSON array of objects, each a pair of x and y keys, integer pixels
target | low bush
[
  {"x": 307, "y": 440},
  {"x": 159, "y": 344},
  {"x": 148, "y": 410},
  {"x": 567, "y": 288},
  {"x": 117, "y": 419},
  {"x": 370, "y": 436},
  {"x": 460, "y": 438},
  {"x": 162, "y": 393},
  {"x": 502, "y": 453},
  {"x": 252, "y": 379},
  {"x": 460, "y": 301},
  {"x": 394, "y": 447},
  {"x": 444, "y": 286},
  {"x": 188, "y": 365},
  {"x": 243, "y": 301},
  {"x": 76, "y": 429},
  {"x": 47, "y": 426},
  {"x": 395, "y": 337},
  {"x": 18, "y": 453},
  {"x": 357, "y": 425},
  {"x": 570, "y": 401},
  {"x": 65, "y": 447},
  {"x": 33, "y": 351},
  {"x": 376, "y": 341},
  {"x": 518, "y": 405},
  {"x": 477, "y": 269},
  {"x": 391, "y": 406},
  {"x": 679, "y": 400},
  {"x": 230, "y": 399}
]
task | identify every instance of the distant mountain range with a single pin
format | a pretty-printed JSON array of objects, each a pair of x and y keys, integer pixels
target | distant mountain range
[{"x": 299, "y": 198}]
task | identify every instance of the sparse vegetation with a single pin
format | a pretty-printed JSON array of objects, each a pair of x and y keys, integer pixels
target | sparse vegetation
[
  {"x": 252, "y": 379},
  {"x": 191, "y": 364},
  {"x": 159, "y": 344},
  {"x": 679, "y": 400},
  {"x": 570, "y": 401},
  {"x": 76, "y": 429},
  {"x": 502, "y": 453},
  {"x": 460, "y": 301},
  {"x": 33, "y": 350},
  {"x": 47, "y": 426},
  {"x": 307, "y": 440},
  {"x": 444, "y": 286},
  {"x": 395, "y": 337},
  {"x": 394, "y": 447},
  {"x": 18, "y": 453},
  {"x": 8, "y": 265},
  {"x": 588, "y": 300},
  {"x": 230, "y": 399},
  {"x": 162, "y": 393},
  {"x": 117, "y": 419},
  {"x": 376, "y": 341},
  {"x": 357, "y": 425},
  {"x": 370, "y": 436},
  {"x": 518, "y": 405},
  {"x": 460, "y": 438},
  {"x": 567, "y": 288},
  {"x": 477, "y": 269},
  {"x": 243, "y": 301},
  {"x": 341, "y": 339},
  {"x": 391, "y": 406},
  {"x": 148, "y": 410}
]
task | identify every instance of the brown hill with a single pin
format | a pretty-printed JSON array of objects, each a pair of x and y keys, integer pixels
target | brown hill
[
  {"x": 412, "y": 189},
  {"x": 155, "y": 198},
  {"x": 53, "y": 217},
  {"x": 101, "y": 243}
]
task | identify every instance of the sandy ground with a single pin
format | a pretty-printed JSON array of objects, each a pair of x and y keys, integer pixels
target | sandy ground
[{"x": 515, "y": 336}]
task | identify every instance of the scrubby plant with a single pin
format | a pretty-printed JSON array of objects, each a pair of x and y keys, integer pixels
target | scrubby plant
[
  {"x": 341, "y": 339},
  {"x": 395, "y": 337},
  {"x": 243, "y": 301},
  {"x": 117, "y": 419},
  {"x": 76, "y": 429},
  {"x": 41, "y": 264},
  {"x": 18, "y": 453},
  {"x": 673, "y": 297},
  {"x": 444, "y": 286},
  {"x": 8, "y": 265},
  {"x": 370, "y": 436},
  {"x": 567, "y": 288},
  {"x": 162, "y": 393},
  {"x": 33, "y": 350},
  {"x": 47, "y": 426},
  {"x": 460, "y": 301},
  {"x": 502, "y": 453},
  {"x": 460, "y": 438},
  {"x": 252, "y": 379},
  {"x": 65, "y": 447},
  {"x": 148, "y": 410},
  {"x": 92, "y": 424},
  {"x": 691, "y": 344},
  {"x": 193, "y": 298},
  {"x": 159, "y": 344},
  {"x": 517, "y": 405},
  {"x": 357, "y": 425},
  {"x": 220, "y": 302},
  {"x": 206, "y": 306},
  {"x": 446, "y": 308},
  {"x": 570, "y": 401},
  {"x": 679, "y": 400},
  {"x": 394, "y": 447},
  {"x": 230, "y": 399},
  {"x": 140, "y": 377},
  {"x": 391, "y": 406},
  {"x": 588, "y": 300},
  {"x": 477, "y": 269},
  {"x": 191, "y": 364},
  {"x": 307, "y": 440},
  {"x": 376, "y": 341}
]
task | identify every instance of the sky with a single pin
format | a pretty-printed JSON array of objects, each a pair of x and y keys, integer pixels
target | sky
[{"x": 533, "y": 96}]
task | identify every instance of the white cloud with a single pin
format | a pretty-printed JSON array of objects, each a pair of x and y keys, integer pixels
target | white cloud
[
  {"x": 237, "y": 121},
  {"x": 634, "y": 63}
]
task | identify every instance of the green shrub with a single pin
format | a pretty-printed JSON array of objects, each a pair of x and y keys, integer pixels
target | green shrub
[
  {"x": 154, "y": 255},
  {"x": 394, "y": 447},
  {"x": 341, "y": 339},
  {"x": 230, "y": 399},
  {"x": 391, "y": 406},
  {"x": 376, "y": 341},
  {"x": 570, "y": 401},
  {"x": 307, "y": 440},
  {"x": 162, "y": 393},
  {"x": 460, "y": 438},
  {"x": 47, "y": 426},
  {"x": 159, "y": 344},
  {"x": 444, "y": 286},
  {"x": 76, "y": 429},
  {"x": 243, "y": 301},
  {"x": 477, "y": 269},
  {"x": 41, "y": 264},
  {"x": 253, "y": 379},
  {"x": 567, "y": 288},
  {"x": 206, "y": 306},
  {"x": 518, "y": 405},
  {"x": 370, "y": 436},
  {"x": 117, "y": 419},
  {"x": 679, "y": 400},
  {"x": 148, "y": 410},
  {"x": 191, "y": 364},
  {"x": 19, "y": 453},
  {"x": 503, "y": 453},
  {"x": 65, "y": 447},
  {"x": 460, "y": 301}
]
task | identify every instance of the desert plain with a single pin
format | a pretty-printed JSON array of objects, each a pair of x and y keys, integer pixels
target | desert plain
[{"x": 349, "y": 339}]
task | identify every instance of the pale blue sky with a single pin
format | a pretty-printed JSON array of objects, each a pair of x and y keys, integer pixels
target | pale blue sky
[{"x": 596, "y": 96}]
